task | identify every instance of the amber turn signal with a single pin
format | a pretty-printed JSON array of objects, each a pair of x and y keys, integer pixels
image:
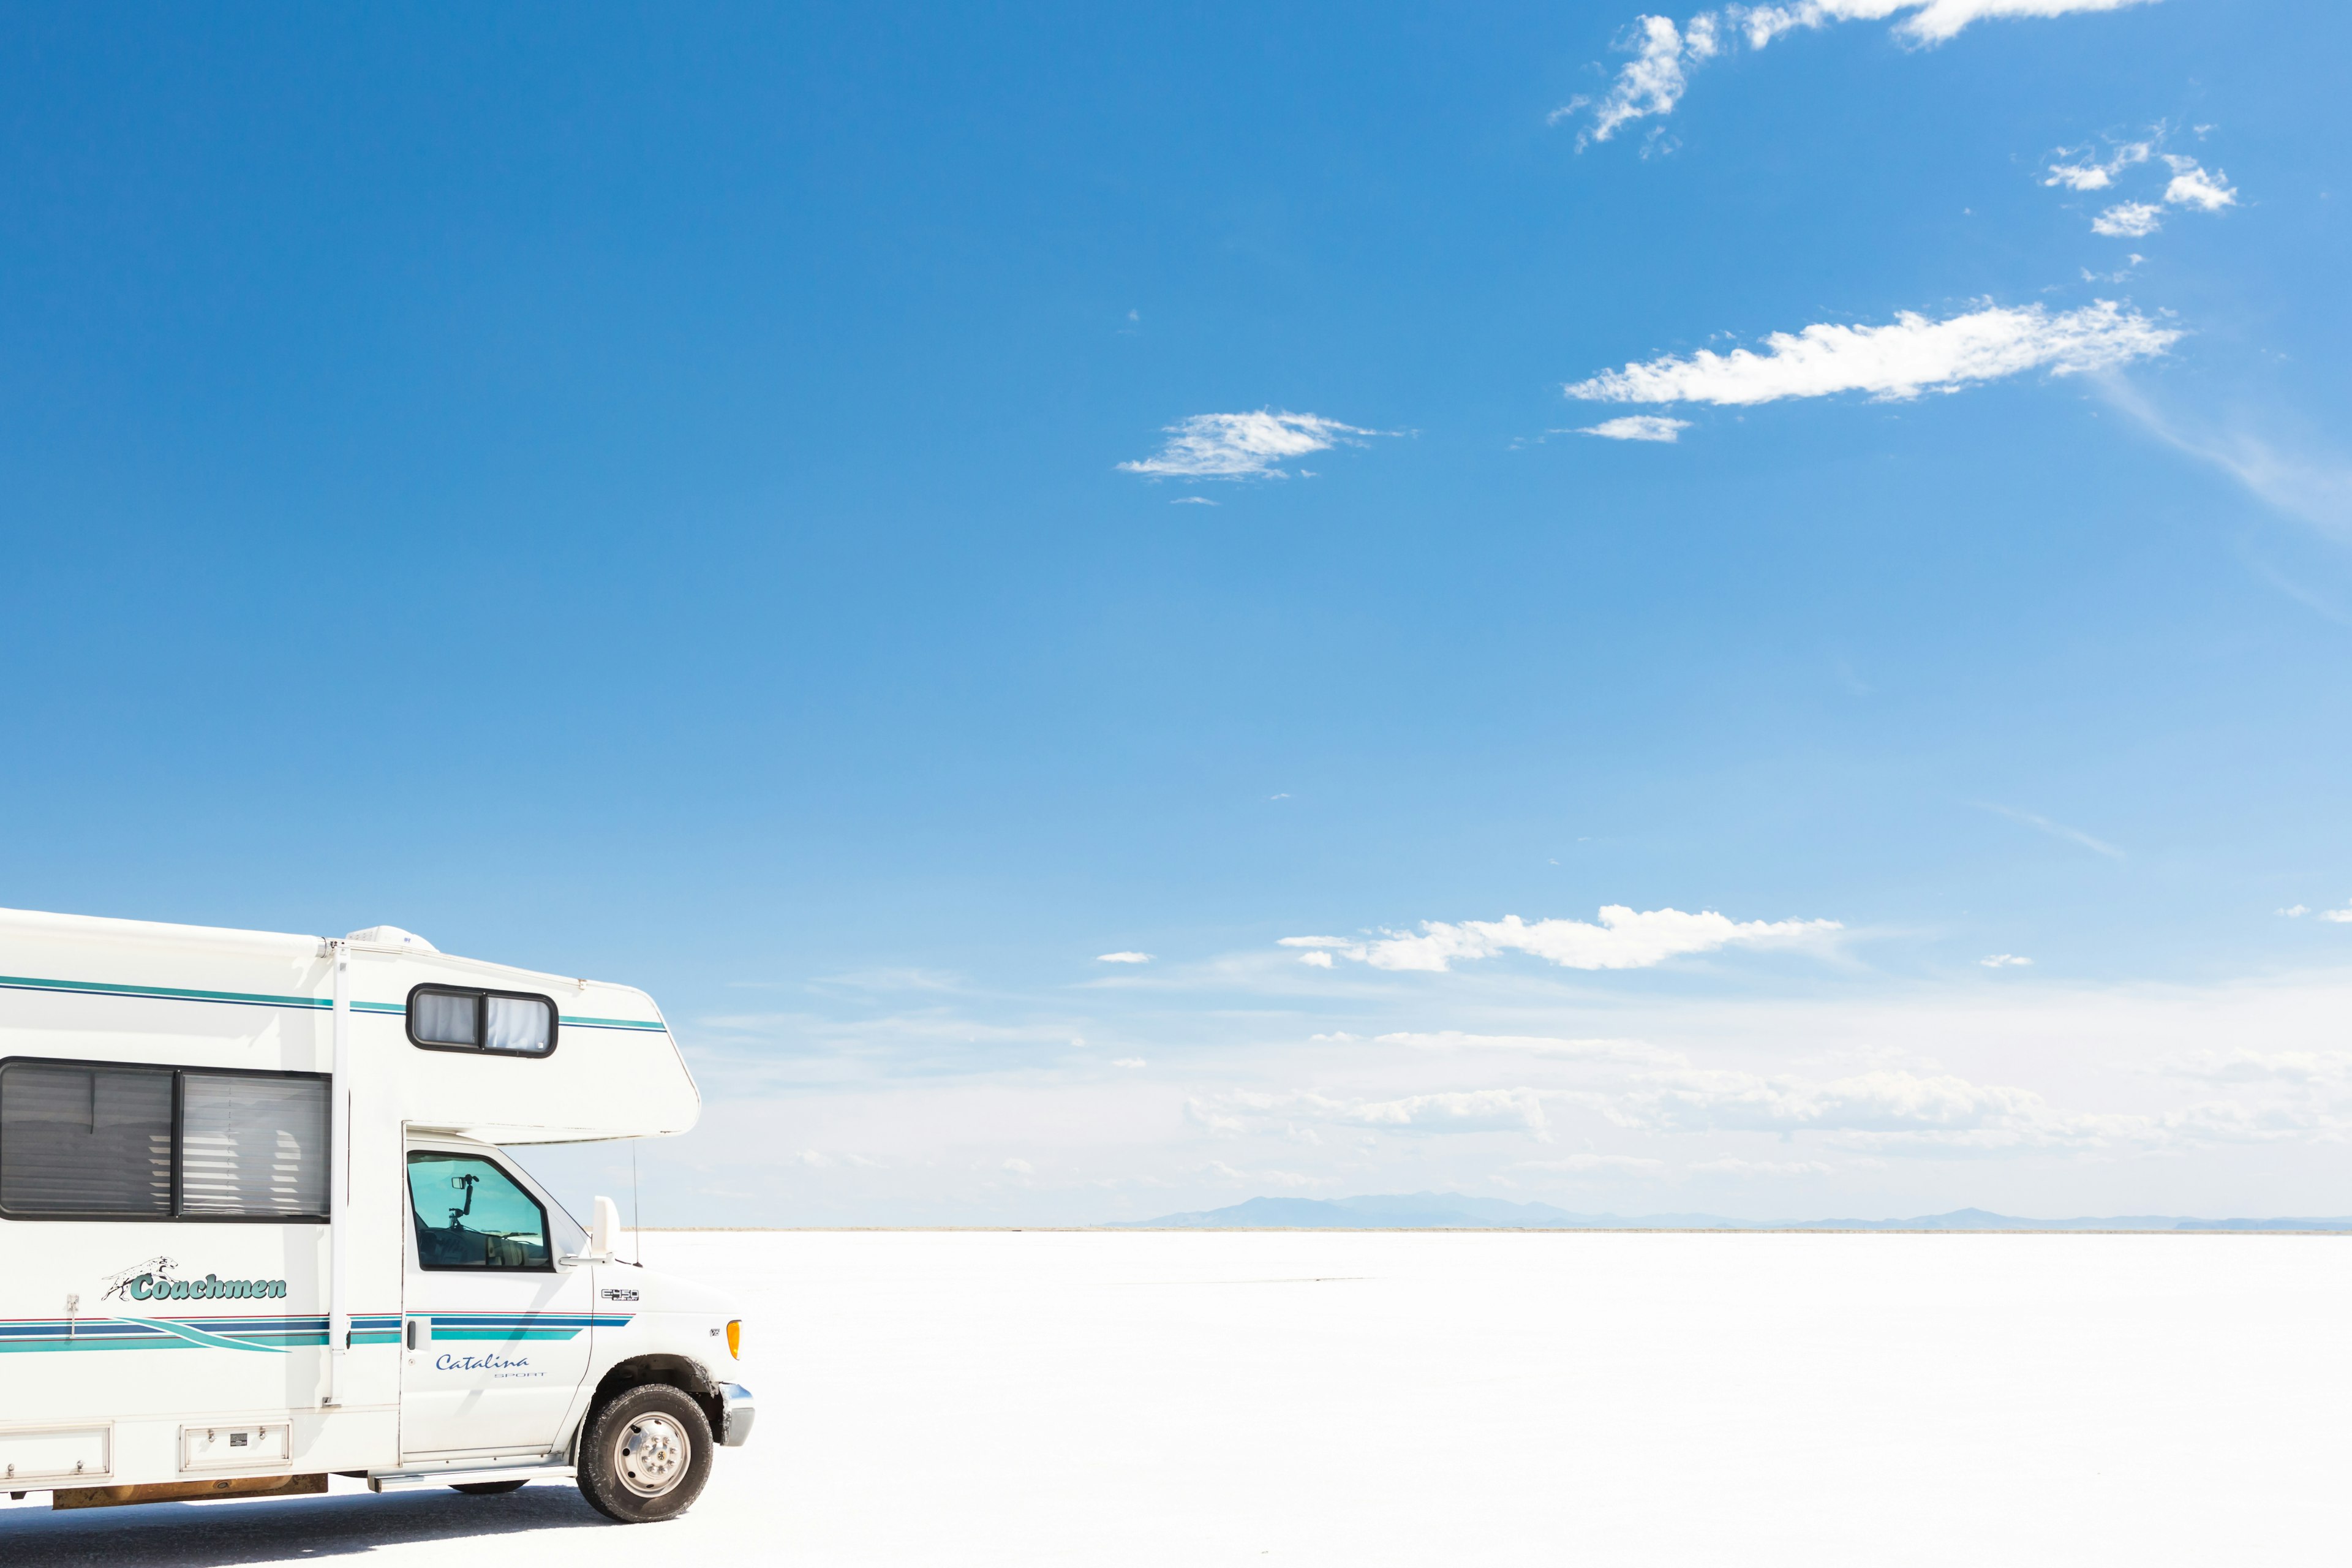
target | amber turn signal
[{"x": 735, "y": 1339}]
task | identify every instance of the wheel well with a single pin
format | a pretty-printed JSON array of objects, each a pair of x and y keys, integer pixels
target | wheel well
[{"x": 679, "y": 1372}]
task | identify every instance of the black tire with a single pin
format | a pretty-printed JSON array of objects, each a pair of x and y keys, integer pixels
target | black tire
[
  {"x": 646, "y": 1454},
  {"x": 487, "y": 1489}
]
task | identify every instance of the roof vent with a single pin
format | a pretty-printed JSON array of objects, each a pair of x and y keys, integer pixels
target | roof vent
[{"x": 391, "y": 936}]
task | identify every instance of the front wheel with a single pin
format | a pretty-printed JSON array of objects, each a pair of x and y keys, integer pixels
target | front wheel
[{"x": 646, "y": 1454}]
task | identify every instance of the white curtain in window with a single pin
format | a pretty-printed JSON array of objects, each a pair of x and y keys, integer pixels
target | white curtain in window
[
  {"x": 443, "y": 1017},
  {"x": 518, "y": 1024}
]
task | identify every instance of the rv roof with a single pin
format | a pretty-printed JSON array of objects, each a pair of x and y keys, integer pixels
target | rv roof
[{"x": 380, "y": 939}]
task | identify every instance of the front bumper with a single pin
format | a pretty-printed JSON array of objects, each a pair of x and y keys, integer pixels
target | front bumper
[{"x": 736, "y": 1413}]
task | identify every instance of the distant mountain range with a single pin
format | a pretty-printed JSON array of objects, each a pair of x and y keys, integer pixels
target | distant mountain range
[{"x": 1444, "y": 1211}]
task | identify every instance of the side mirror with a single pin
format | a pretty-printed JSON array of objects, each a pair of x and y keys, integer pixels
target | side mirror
[{"x": 603, "y": 1229}]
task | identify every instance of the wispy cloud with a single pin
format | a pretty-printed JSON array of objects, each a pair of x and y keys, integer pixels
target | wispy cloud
[
  {"x": 1752, "y": 1168},
  {"x": 1910, "y": 357},
  {"x": 1598, "y": 1050},
  {"x": 2057, "y": 831},
  {"x": 2095, "y": 174},
  {"x": 1122, "y": 958},
  {"x": 2296, "y": 1069},
  {"x": 1905, "y": 1111},
  {"x": 1625, "y": 938},
  {"x": 1653, "y": 83},
  {"x": 1244, "y": 446},
  {"x": 1638, "y": 428},
  {"x": 1585, "y": 1164},
  {"x": 2005, "y": 961},
  {"x": 1456, "y": 1111},
  {"x": 2316, "y": 488},
  {"x": 1925, "y": 22},
  {"x": 2342, "y": 917}
]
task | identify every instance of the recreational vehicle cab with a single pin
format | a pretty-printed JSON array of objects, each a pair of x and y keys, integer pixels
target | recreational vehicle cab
[{"x": 259, "y": 1228}]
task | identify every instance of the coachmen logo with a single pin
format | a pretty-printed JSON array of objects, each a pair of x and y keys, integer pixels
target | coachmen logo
[{"x": 153, "y": 1281}]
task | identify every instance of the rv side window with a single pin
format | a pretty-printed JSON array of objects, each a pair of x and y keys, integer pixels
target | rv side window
[
  {"x": 444, "y": 1018},
  {"x": 471, "y": 1215},
  {"x": 94, "y": 1141}
]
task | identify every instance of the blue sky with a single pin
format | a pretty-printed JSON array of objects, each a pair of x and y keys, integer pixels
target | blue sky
[{"x": 759, "y": 504}]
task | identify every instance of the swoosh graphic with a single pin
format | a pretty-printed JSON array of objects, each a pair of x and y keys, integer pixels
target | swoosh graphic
[{"x": 198, "y": 1336}]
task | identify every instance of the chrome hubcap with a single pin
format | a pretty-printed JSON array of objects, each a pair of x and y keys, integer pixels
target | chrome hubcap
[{"x": 650, "y": 1455}]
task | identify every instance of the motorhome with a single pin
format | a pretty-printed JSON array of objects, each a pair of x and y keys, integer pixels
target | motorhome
[{"x": 260, "y": 1226}]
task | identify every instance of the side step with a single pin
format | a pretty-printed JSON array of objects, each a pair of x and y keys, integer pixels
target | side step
[{"x": 425, "y": 1480}]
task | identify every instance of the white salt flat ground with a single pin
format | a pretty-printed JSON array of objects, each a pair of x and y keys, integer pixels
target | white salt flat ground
[{"x": 950, "y": 1399}]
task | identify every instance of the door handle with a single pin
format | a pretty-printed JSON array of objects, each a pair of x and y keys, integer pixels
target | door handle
[{"x": 412, "y": 1333}]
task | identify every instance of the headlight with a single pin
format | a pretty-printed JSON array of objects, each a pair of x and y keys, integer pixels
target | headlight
[{"x": 735, "y": 1339}]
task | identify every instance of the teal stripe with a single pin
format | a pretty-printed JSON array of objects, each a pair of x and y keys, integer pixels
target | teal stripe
[
  {"x": 262, "y": 999},
  {"x": 88, "y": 1345},
  {"x": 160, "y": 993}
]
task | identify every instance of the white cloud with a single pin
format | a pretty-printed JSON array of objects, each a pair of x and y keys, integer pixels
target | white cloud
[
  {"x": 1021, "y": 1167},
  {"x": 1538, "y": 1044},
  {"x": 1910, "y": 357},
  {"x": 2094, "y": 175},
  {"x": 1639, "y": 428},
  {"x": 2129, "y": 220},
  {"x": 1881, "y": 1102},
  {"x": 2342, "y": 917},
  {"x": 1192, "y": 500},
  {"x": 1122, "y": 958},
  {"x": 2191, "y": 187},
  {"x": 1472, "y": 1111},
  {"x": 1729, "y": 1166},
  {"x": 1456, "y": 1110},
  {"x": 1130, "y": 1062},
  {"x": 2300, "y": 1068},
  {"x": 1315, "y": 960},
  {"x": 1625, "y": 938},
  {"x": 1654, "y": 81},
  {"x": 1242, "y": 446},
  {"x": 2296, "y": 911},
  {"x": 1925, "y": 22},
  {"x": 1902, "y": 1111},
  {"x": 1632, "y": 1164},
  {"x": 2005, "y": 961}
]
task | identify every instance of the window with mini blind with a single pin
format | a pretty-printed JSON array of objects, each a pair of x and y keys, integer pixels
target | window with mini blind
[{"x": 103, "y": 1141}]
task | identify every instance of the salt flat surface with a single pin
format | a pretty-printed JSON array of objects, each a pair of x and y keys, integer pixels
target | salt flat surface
[{"x": 1146, "y": 1398}]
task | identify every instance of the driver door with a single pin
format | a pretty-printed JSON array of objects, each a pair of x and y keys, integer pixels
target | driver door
[{"x": 497, "y": 1333}]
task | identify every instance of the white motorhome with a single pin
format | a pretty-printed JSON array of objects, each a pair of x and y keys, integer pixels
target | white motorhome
[{"x": 258, "y": 1225}]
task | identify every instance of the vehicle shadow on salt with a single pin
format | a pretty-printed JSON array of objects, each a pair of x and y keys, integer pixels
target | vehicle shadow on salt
[{"x": 203, "y": 1535}]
